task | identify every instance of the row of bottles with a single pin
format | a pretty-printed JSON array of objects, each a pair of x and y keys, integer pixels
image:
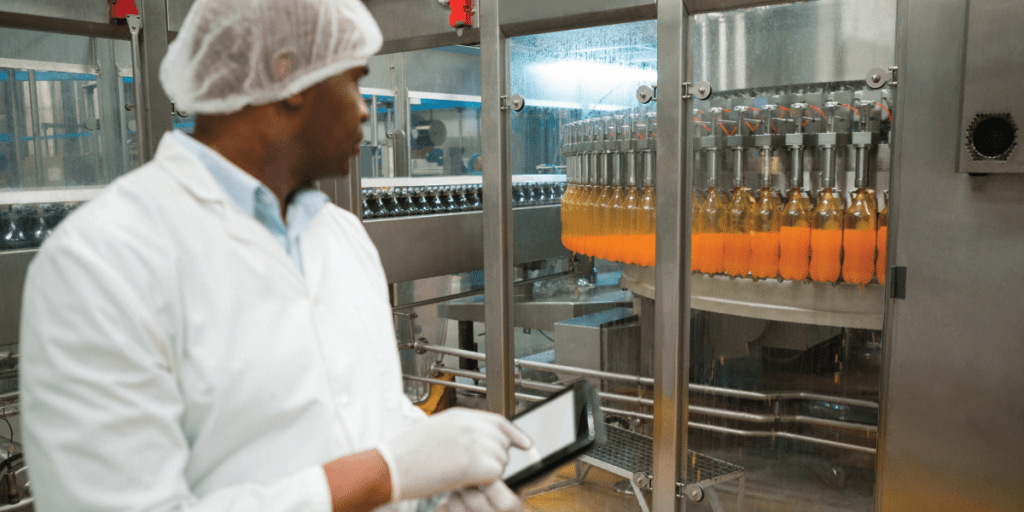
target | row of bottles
[
  {"x": 388, "y": 202},
  {"x": 608, "y": 210},
  {"x": 26, "y": 227},
  {"x": 793, "y": 238}
]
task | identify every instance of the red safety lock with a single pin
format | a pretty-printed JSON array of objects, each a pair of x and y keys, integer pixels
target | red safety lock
[
  {"x": 462, "y": 13},
  {"x": 120, "y": 9}
]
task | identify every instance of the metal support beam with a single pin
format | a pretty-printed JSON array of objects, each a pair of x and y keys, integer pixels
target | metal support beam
[
  {"x": 672, "y": 299},
  {"x": 494, "y": 72},
  {"x": 156, "y": 117},
  {"x": 37, "y": 131},
  {"x": 400, "y": 134},
  {"x": 110, "y": 114}
]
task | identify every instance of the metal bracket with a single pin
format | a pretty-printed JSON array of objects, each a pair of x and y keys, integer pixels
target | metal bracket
[
  {"x": 878, "y": 77},
  {"x": 646, "y": 94},
  {"x": 701, "y": 90},
  {"x": 516, "y": 103},
  {"x": 695, "y": 492}
]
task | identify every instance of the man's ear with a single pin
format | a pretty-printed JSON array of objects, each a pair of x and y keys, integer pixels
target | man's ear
[{"x": 295, "y": 101}]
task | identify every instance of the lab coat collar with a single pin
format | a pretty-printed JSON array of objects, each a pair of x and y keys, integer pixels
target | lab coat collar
[
  {"x": 178, "y": 161},
  {"x": 188, "y": 170}
]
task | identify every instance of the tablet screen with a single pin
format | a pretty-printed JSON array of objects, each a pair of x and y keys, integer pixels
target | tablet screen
[{"x": 552, "y": 426}]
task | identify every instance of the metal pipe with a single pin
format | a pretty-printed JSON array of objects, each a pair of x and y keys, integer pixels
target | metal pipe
[
  {"x": 519, "y": 396},
  {"x": 787, "y": 435},
  {"x": 738, "y": 167},
  {"x": 647, "y": 402},
  {"x": 766, "y": 167},
  {"x": 828, "y": 167},
  {"x": 645, "y": 381},
  {"x": 796, "y": 154},
  {"x": 711, "y": 163},
  {"x": 861, "y": 179}
]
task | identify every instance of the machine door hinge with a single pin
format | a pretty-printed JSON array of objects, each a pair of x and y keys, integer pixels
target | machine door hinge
[
  {"x": 878, "y": 77},
  {"x": 516, "y": 102},
  {"x": 898, "y": 278},
  {"x": 701, "y": 90}
]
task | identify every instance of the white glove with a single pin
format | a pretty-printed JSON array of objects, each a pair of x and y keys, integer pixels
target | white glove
[
  {"x": 496, "y": 497},
  {"x": 451, "y": 450}
]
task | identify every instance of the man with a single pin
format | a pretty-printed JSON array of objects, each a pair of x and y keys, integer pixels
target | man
[{"x": 210, "y": 334}]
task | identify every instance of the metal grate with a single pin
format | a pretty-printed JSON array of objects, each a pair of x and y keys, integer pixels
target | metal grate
[{"x": 634, "y": 453}]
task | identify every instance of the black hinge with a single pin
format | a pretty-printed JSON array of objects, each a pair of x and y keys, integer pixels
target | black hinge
[{"x": 898, "y": 278}]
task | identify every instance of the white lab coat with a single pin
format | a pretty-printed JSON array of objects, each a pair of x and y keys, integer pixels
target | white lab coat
[{"x": 174, "y": 358}]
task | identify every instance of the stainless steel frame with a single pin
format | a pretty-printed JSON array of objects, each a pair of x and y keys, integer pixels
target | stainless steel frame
[
  {"x": 495, "y": 132},
  {"x": 952, "y": 409},
  {"x": 672, "y": 303}
]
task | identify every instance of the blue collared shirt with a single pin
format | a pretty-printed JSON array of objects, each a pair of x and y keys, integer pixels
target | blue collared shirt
[{"x": 256, "y": 200}]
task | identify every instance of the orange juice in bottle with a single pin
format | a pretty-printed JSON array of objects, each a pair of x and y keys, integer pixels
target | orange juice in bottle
[
  {"x": 572, "y": 183},
  {"x": 712, "y": 221},
  {"x": 588, "y": 215},
  {"x": 764, "y": 243},
  {"x": 795, "y": 237},
  {"x": 739, "y": 223},
  {"x": 646, "y": 215},
  {"x": 859, "y": 235},
  {"x": 882, "y": 241},
  {"x": 625, "y": 226},
  {"x": 826, "y": 237},
  {"x": 602, "y": 209}
]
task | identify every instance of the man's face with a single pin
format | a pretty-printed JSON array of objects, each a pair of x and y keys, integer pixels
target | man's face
[{"x": 332, "y": 131}]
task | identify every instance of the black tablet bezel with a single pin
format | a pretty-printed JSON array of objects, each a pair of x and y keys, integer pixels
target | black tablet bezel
[{"x": 590, "y": 433}]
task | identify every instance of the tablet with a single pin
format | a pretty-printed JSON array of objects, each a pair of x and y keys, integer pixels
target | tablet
[{"x": 562, "y": 427}]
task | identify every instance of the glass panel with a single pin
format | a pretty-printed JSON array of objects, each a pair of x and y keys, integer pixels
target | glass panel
[
  {"x": 791, "y": 161},
  {"x": 63, "y": 127},
  {"x": 443, "y": 160}
]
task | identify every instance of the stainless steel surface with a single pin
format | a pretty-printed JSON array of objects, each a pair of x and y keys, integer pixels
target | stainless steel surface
[
  {"x": 417, "y": 24},
  {"x": 497, "y": 214},
  {"x": 993, "y": 72},
  {"x": 176, "y": 12},
  {"x": 795, "y": 43},
  {"x": 158, "y": 118},
  {"x": 843, "y": 305},
  {"x": 543, "y": 314},
  {"x": 582, "y": 341},
  {"x": 672, "y": 298},
  {"x": 953, "y": 389},
  {"x": 471, "y": 293},
  {"x": 521, "y": 17},
  {"x": 13, "y": 265},
  {"x": 452, "y": 243}
]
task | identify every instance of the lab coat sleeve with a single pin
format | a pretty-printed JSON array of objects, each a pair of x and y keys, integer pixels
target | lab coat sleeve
[{"x": 101, "y": 404}]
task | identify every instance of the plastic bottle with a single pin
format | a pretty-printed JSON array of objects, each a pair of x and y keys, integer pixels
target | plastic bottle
[
  {"x": 882, "y": 241},
  {"x": 795, "y": 237},
  {"x": 571, "y": 178},
  {"x": 646, "y": 222},
  {"x": 826, "y": 237},
  {"x": 859, "y": 237},
  {"x": 739, "y": 224},
  {"x": 764, "y": 242}
]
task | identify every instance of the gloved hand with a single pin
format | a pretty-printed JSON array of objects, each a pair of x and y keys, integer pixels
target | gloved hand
[
  {"x": 451, "y": 450},
  {"x": 496, "y": 497}
]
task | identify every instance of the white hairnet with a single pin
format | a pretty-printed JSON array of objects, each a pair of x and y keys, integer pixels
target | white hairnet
[{"x": 233, "y": 53}]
